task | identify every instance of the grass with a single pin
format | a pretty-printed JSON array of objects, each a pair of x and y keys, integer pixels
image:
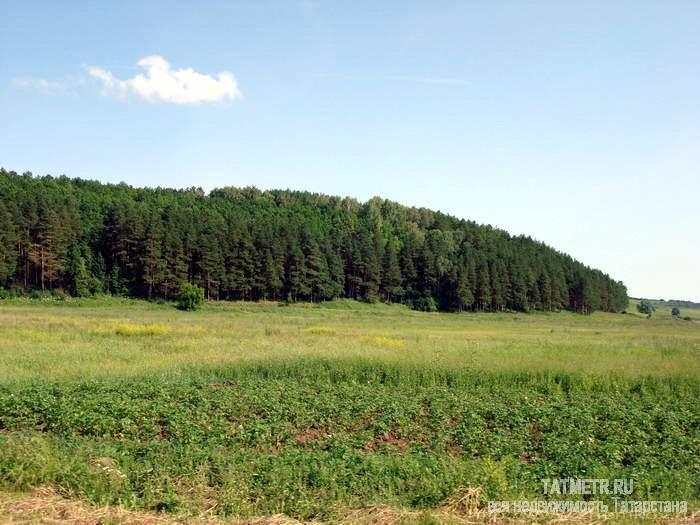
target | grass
[
  {"x": 663, "y": 311},
  {"x": 244, "y": 410},
  {"x": 108, "y": 338}
]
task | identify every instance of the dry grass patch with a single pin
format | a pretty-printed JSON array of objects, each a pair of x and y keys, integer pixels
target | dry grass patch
[{"x": 45, "y": 506}]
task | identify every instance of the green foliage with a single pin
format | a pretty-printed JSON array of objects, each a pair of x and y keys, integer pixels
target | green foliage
[
  {"x": 91, "y": 238},
  {"x": 306, "y": 440},
  {"x": 645, "y": 307},
  {"x": 675, "y": 312},
  {"x": 189, "y": 297},
  {"x": 77, "y": 275},
  {"x": 425, "y": 304}
]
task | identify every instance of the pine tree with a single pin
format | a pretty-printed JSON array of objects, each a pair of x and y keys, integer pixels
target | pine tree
[
  {"x": 407, "y": 258},
  {"x": 77, "y": 274},
  {"x": 117, "y": 284},
  {"x": 533, "y": 292},
  {"x": 335, "y": 272},
  {"x": 519, "y": 286},
  {"x": 8, "y": 243},
  {"x": 98, "y": 274},
  {"x": 210, "y": 261},
  {"x": 497, "y": 296},
  {"x": 391, "y": 274},
  {"x": 239, "y": 263},
  {"x": 249, "y": 244},
  {"x": 153, "y": 263},
  {"x": 545, "y": 288},
  {"x": 296, "y": 282},
  {"x": 483, "y": 290},
  {"x": 175, "y": 270},
  {"x": 369, "y": 266},
  {"x": 316, "y": 268},
  {"x": 465, "y": 295}
]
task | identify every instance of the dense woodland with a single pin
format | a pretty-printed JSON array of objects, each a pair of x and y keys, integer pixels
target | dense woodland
[{"x": 86, "y": 238}]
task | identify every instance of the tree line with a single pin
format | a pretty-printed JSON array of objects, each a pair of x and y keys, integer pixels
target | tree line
[{"x": 87, "y": 238}]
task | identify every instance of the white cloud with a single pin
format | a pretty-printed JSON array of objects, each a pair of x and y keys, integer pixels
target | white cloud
[
  {"x": 162, "y": 84},
  {"x": 38, "y": 84}
]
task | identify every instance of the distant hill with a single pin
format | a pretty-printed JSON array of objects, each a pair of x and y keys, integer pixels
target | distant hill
[
  {"x": 670, "y": 302},
  {"x": 242, "y": 243},
  {"x": 663, "y": 309}
]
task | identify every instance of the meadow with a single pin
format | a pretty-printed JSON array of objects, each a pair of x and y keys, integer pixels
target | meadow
[{"x": 315, "y": 410}]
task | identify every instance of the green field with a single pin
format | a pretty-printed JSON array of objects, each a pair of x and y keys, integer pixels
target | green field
[
  {"x": 663, "y": 310},
  {"x": 256, "y": 409}
]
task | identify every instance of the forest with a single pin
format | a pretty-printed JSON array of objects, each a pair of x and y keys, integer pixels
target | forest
[{"x": 85, "y": 237}]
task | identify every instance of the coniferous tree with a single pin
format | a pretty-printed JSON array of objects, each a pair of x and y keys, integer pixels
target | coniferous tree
[
  {"x": 297, "y": 284},
  {"x": 520, "y": 295},
  {"x": 533, "y": 292},
  {"x": 369, "y": 266},
  {"x": 407, "y": 261},
  {"x": 483, "y": 289},
  {"x": 465, "y": 293},
  {"x": 153, "y": 263},
  {"x": 497, "y": 294},
  {"x": 8, "y": 242},
  {"x": 248, "y": 244},
  {"x": 77, "y": 274},
  {"x": 336, "y": 275},
  {"x": 316, "y": 271},
  {"x": 545, "y": 289},
  {"x": 209, "y": 258},
  {"x": 391, "y": 274}
]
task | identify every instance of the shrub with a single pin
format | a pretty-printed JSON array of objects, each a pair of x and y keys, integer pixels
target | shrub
[
  {"x": 675, "y": 312},
  {"x": 12, "y": 293},
  {"x": 645, "y": 307},
  {"x": 40, "y": 295},
  {"x": 59, "y": 294},
  {"x": 190, "y": 297},
  {"x": 425, "y": 304}
]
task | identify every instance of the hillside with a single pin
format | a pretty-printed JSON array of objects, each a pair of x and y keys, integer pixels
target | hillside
[
  {"x": 664, "y": 309},
  {"x": 86, "y": 237}
]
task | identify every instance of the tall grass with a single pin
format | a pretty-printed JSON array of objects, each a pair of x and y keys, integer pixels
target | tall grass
[{"x": 120, "y": 338}]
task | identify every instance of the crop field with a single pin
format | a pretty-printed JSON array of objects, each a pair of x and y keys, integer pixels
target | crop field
[{"x": 316, "y": 412}]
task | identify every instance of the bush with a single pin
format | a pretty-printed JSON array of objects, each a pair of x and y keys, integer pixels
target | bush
[
  {"x": 12, "y": 293},
  {"x": 59, "y": 294},
  {"x": 675, "y": 312},
  {"x": 425, "y": 304},
  {"x": 190, "y": 297},
  {"x": 40, "y": 295},
  {"x": 645, "y": 307}
]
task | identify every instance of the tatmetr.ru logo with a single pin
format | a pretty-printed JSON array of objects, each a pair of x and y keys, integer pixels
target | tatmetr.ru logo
[{"x": 586, "y": 486}]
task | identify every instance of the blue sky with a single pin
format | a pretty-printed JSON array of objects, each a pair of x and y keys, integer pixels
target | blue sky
[{"x": 576, "y": 123}]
